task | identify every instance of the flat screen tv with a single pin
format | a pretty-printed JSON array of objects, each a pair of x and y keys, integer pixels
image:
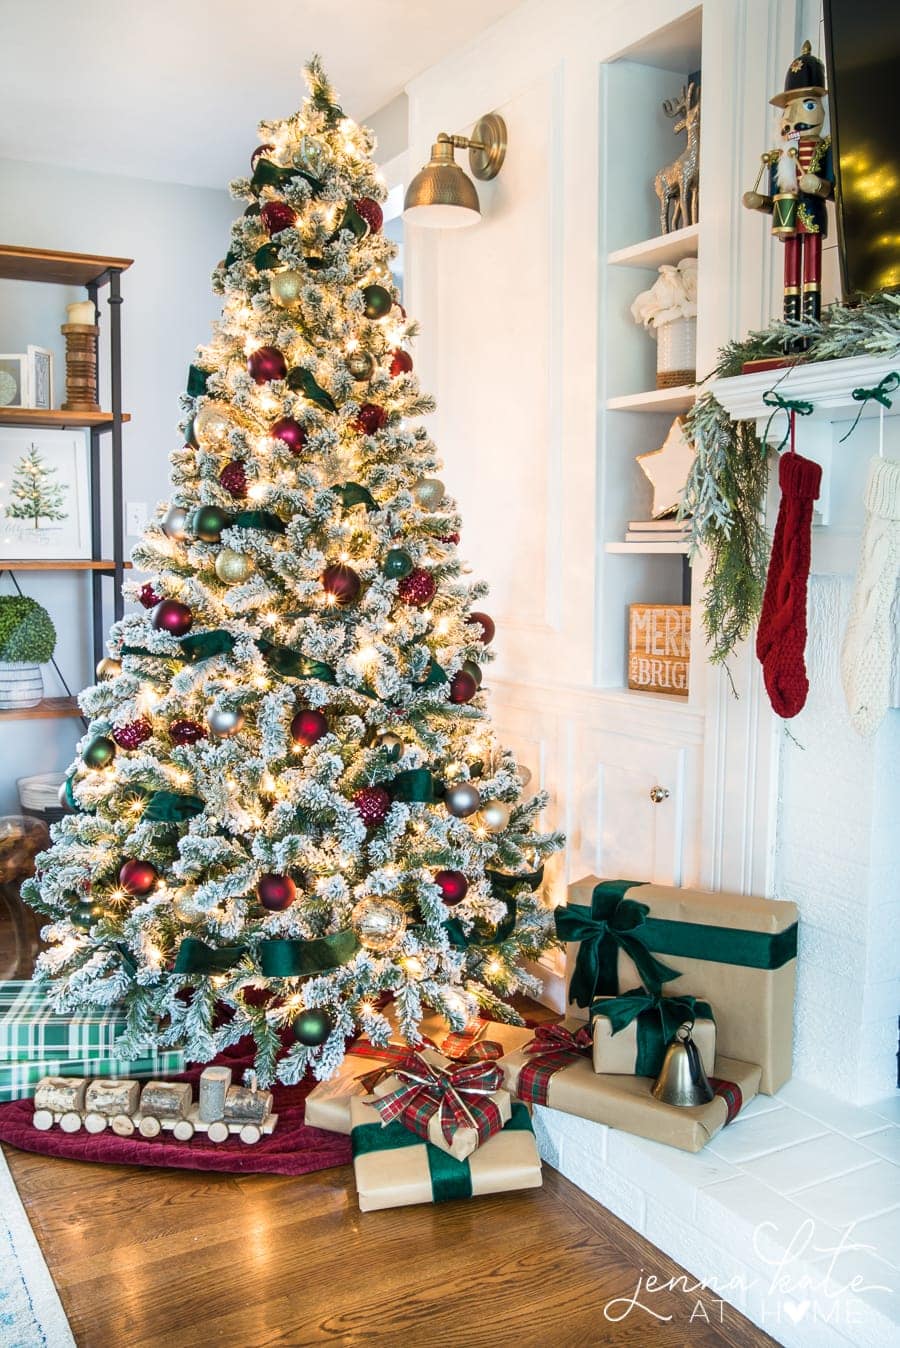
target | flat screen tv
[{"x": 862, "y": 42}]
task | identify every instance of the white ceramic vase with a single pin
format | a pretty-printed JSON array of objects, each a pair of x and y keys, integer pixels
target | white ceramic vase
[{"x": 21, "y": 685}]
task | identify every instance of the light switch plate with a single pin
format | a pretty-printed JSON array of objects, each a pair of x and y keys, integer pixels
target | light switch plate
[{"x": 136, "y": 518}]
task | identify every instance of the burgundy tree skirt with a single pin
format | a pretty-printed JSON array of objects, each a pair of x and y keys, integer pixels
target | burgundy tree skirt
[{"x": 293, "y": 1149}]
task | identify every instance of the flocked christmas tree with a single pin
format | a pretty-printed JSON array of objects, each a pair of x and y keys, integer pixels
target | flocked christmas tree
[
  {"x": 289, "y": 808},
  {"x": 33, "y": 494}
]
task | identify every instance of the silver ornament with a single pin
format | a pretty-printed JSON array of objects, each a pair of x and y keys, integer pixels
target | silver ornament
[
  {"x": 224, "y": 723},
  {"x": 285, "y": 287},
  {"x": 494, "y": 815},
  {"x": 309, "y": 155},
  {"x": 233, "y": 567},
  {"x": 174, "y": 522},
  {"x": 361, "y": 365},
  {"x": 462, "y": 799},
  {"x": 391, "y": 743},
  {"x": 378, "y": 923},
  {"x": 429, "y": 492},
  {"x": 213, "y": 424}
]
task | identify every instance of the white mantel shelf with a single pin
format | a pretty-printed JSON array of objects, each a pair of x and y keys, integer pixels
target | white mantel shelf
[{"x": 827, "y": 384}]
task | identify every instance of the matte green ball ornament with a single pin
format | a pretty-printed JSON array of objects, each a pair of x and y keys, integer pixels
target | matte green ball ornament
[
  {"x": 285, "y": 288},
  {"x": 428, "y": 492},
  {"x": 474, "y": 671},
  {"x": 233, "y": 567},
  {"x": 84, "y": 916},
  {"x": 377, "y": 302},
  {"x": 98, "y": 753},
  {"x": 397, "y": 564},
  {"x": 361, "y": 365},
  {"x": 312, "y": 1027},
  {"x": 207, "y": 523}
]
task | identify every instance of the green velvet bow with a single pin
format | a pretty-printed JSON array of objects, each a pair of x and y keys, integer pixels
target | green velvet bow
[
  {"x": 259, "y": 519},
  {"x": 171, "y": 807},
  {"x": 267, "y": 174},
  {"x": 291, "y": 664},
  {"x": 658, "y": 1019},
  {"x": 612, "y": 923}
]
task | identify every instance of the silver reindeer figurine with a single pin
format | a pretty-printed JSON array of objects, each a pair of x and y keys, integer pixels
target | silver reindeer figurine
[{"x": 677, "y": 185}]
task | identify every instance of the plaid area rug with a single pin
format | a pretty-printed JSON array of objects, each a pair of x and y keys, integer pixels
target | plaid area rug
[{"x": 31, "y": 1313}]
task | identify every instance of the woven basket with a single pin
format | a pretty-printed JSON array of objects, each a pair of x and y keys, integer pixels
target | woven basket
[{"x": 676, "y": 353}]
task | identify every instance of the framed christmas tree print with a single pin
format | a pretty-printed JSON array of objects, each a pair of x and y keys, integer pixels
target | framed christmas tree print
[{"x": 44, "y": 495}]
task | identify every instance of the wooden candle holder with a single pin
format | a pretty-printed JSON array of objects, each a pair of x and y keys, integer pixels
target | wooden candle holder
[{"x": 81, "y": 367}]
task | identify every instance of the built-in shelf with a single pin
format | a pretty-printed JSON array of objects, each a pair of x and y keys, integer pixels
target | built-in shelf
[
  {"x": 55, "y": 268},
  {"x": 44, "y": 564},
  {"x": 650, "y": 549},
  {"x": 666, "y": 248},
  {"x": 39, "y": 418},
  {"x": 680, "y": 399},
  {"x": 51, "y": 708}
]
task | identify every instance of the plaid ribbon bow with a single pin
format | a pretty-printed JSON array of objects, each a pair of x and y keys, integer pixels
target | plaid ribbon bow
[
  {"x": 552, "y": 1048},
  {"x": 426, "y": 1089}
]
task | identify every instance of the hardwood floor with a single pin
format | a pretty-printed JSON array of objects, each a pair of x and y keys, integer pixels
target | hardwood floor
[{"x": 145, "y": 1258}]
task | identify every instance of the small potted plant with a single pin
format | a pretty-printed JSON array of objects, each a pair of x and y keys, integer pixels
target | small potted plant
[
  {"x": 27, "y": 641},
  {"x": 669, "y": 310}
]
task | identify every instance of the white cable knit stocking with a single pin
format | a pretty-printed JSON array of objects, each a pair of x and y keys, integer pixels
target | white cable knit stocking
[{"x": 868, "y": 642}]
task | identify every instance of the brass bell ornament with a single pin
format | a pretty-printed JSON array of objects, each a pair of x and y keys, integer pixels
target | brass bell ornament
[{"x": 682, "y": 1080}]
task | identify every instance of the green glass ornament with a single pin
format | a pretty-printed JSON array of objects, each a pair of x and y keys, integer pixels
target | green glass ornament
[
  {"x": 207, "y": 523},
  {"x": 397, "y": 564},
  {"x": 99, "y": 753},
  {"x": 84, "y": 916},
  {"x": 378, "y": 302},
  {"x": 474, "y": 671},
  {"x": 312, "y": 1027}
]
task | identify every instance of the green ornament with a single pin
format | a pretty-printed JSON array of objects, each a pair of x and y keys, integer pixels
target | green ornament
[
  {"x": 99, "y": 753},
  {"x": 378, "y": 302},
  {"x": 207, "y": 523},
  {"x": 312, "y": 1027},
  {"x": 473, "y": 670},
  {"x": 397, "y": 564},
  {"x": 84, "y": 916}
]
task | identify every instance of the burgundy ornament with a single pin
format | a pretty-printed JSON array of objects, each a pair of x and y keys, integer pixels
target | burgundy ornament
[
  {"x": 341, "y": 581},
  {"x": 370, "y": 418},
  {"x": 277, "y": 215},
  {"x": 291, "y": 432},
  {"x": 132, "y": 736},
  {"x": 401, "y": 363},
  {"x": 371, "y": 212},
  {"x": 186, "y": 732},
  {"x": 148, "y": 596},
  {"x": 259, "y": 152},
  {"x": 372, "y": 804},
  {"x": 462, "y": 687},
  {"x": 233, "y": 478},
  {"x": 138, "y": 878},
  {"x": 276, "y": 892},
  {"x": 171, "y": 616},
  {"x": 308, "y": 726},
  {"x": 453, "y": 886},
  {"x": 417, "y": 589},
  {"x": 487, "y": 627},
  {"x": 265, "y": 364},
  {"x": 449, "y": 538}
]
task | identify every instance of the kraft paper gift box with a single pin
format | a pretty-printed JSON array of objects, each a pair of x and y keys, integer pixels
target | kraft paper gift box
[
  {"x": 479, "y": 1094},
  {"x": 734, "y": 951},
  {"x": 394, "y": 1169},
  {"x": 631, "y": 1032},
  {"x": 328, "y": 1103},
  {"x": 31, "y": 1030},
  {"x": 567, "y": 1081},
  {"x": 18, "y": 1079}
]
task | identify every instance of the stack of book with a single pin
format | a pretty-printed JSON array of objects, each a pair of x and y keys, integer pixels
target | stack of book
[{"x": 669, "y": 530}]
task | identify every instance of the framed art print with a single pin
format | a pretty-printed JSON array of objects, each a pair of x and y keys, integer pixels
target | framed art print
[
  {"x": 40, "y": 378},
  {"x": 44, "y": 495},
  {"x": 13, "y": 381}
]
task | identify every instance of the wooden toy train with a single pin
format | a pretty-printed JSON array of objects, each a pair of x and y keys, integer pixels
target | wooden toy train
[{"x": 220, "y": 1111}]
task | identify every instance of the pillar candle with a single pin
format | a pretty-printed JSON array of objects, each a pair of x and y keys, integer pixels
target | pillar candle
[{"x": 82, "y": 311}]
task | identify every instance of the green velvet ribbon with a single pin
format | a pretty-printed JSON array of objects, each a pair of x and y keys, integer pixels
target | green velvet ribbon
[
  {"x": 658, "y": 1020},
  {"x": 879, "y": 394},
  {"x": 286, "y": 958},
  {"x": 171, "y": 807},
  {"x": 503, "y": 883},
  {"x": 291, "y": 664},
  {"x": 612, "y": 923},
  {"x": 259, "y": 519},
  {"x": 354, "y": 222},
  {"x": 230, "y": 258},
  {"x": 484, "y": 934},
  {"x": 434, "y": 676},
  {"x": 267, "y": 174},
  {"x": 73, "y": 803},
  {"x": 302, "y": 381},
  {"x": 788, "y": 405},
  {"x": 204, "y": 645},
  {"x": 352, "y": 494},
  {"x": 196, "y": 957},
  {"x": 415, "y": 785},
  {"x": 449, "y": 1178},
  {"x": 267, "y": 257},
  {"x": 197, "y": 381},
  {"x": 721, "y": 945}
]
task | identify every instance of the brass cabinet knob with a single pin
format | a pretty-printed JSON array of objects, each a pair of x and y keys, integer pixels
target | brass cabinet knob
[{"x": 658, "y": 794}]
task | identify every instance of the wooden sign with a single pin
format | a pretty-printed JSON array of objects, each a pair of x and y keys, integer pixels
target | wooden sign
[{"x": 659, "y": 648}]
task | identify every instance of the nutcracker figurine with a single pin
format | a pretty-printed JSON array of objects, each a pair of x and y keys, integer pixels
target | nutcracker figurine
[{"x": 801, "y": 178}]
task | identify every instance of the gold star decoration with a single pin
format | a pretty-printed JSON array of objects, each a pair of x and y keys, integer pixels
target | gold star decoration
[{"x": 667, "y": 469}]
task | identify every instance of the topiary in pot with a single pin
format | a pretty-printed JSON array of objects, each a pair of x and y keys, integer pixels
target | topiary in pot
[{"x": 27, "y": 640}]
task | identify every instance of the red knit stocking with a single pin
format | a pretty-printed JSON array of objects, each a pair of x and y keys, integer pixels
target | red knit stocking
[{"x": 781, "y": 639}]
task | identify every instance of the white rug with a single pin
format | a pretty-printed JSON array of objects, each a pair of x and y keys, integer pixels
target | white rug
[{"x": 31, "y": 1313}]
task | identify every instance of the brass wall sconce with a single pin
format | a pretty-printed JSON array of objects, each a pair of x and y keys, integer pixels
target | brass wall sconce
[{"x": 441, "y": 195}]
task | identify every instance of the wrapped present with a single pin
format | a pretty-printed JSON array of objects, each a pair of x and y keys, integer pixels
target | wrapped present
[
  {"x": 631, "y": 1032},
  {"x": 564, "y": 1078},
  {"x": 393, "y": 1168},
  {"x": 454, "y": 1106},
  {"x": 19, "y": 1079},
  {"x": 31, "y": 1030},
  {"x": 735, "y": 951},
  {"x": 328, "y": 1103}
]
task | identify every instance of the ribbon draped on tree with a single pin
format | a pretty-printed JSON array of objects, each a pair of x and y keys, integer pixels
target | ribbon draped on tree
[
  {"x": 612, "y": 923},
  {"x": 658, "y": 1019},
  {"x": 426, "y": 1090}
]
